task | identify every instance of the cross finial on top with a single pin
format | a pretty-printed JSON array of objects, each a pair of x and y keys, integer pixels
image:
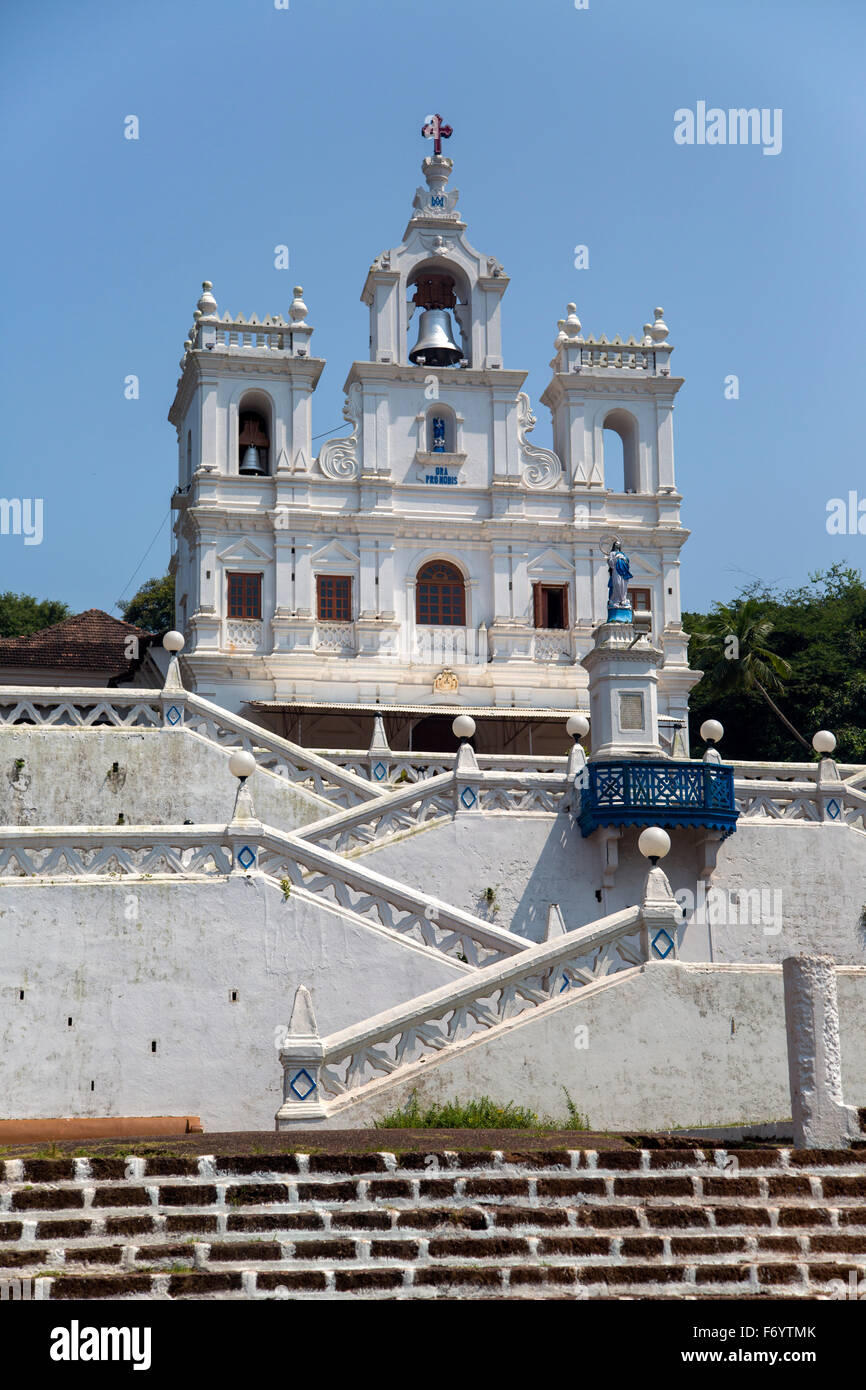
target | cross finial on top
[{"x": 437, "y": 132}]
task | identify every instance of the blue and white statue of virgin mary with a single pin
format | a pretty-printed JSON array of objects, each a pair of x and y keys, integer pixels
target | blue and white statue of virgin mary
[{"x": 618, "y": 575}]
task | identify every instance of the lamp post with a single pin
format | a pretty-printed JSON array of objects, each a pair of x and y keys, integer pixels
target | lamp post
[
  {"x": 659, "y": 913},
  {"x": 241, "y": 834},
  {"x": 578, "y": 726},
  {"x": 466, "y": 776},
  {"x": 824, "y": 742},
  {"x": 711, "y": 733},
  {"x": 173, "y": 691}
]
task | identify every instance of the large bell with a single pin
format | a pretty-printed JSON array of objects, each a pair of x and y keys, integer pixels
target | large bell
[
  {"x": 252, "y": 461},
  {"x": 435, "y": 346}
]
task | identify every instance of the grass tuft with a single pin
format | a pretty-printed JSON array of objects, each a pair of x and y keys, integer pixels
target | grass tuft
[{"x": 477, "y": 1114}]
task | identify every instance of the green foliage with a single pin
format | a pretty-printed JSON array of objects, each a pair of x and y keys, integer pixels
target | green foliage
[
  {"x": 21, "y": 614},
  {"x": 152, "y": 607},
  {"x": 806, "y": 647},
  {"x": 478, "y": 1114},
  {"x": 455, "y": 1114},
  {"x": 575, "y": 1119}
]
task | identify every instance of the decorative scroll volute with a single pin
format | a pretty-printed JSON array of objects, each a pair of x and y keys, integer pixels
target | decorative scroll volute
[
  {"x": 338, "y": 458},
  {"x": 541, "y": 468}
]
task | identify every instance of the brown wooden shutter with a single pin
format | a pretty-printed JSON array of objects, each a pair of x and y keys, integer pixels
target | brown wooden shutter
[
  {"x": 565, "y": 622},
  {"x": 537, "y": 606}
]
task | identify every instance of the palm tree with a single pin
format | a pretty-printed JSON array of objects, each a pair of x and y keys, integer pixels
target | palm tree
[{"x": 733, "y": 647}]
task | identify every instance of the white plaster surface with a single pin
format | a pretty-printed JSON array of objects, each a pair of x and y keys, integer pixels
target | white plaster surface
[
  {"x": 141, "y": 961},
  {"x": 530, "y": 862},
  {"x": 810, "y": 881},
  {"x": 817, "y": 870},
  {"x": 670, "y": 1045},
  {"x": 164, "y": 777}
]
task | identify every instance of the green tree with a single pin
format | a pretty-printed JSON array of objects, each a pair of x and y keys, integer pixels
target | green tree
[
  {"x": 21, "y": 614},
  {"x": 734, "y": 644},
  {"x": 152, "y": 607},
  {"x": 819, "y": 630}
]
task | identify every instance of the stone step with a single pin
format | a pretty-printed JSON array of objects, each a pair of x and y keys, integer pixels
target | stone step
[{"x": 559, "y": 1224}]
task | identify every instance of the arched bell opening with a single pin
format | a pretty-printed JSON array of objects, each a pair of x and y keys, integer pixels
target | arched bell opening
[
  {"x": 621, "y": 443},
  {"x": 254, "y": 435},
  {"x": 436, "y": 303}
]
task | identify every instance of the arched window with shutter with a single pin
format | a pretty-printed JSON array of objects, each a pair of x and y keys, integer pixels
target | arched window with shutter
[{"x": 440, "y": 595}]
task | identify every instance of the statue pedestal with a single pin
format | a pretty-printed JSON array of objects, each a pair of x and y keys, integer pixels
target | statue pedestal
[{"x": 623, "y": 693}]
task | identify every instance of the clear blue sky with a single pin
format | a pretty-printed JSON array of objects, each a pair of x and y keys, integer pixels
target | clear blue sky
[{"x": 262, "y": 126}]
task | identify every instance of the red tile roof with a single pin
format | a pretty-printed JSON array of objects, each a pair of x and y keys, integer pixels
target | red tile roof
[{"x": 89, "y": 641}]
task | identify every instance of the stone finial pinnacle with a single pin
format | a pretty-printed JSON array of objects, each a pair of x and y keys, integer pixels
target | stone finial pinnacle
[
  {"x": 659, "y": 329},
  {"x": 303, "y": 1021},
  {"x": 298, "y": 309},
  {"x": 555, "y": 923},
  {"x": 571, "y": 324},
  {"x": 207, "y": 305}
]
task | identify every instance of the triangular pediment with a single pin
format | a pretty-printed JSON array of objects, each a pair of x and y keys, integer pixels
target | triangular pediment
[
  {"x": 334, "y": 553},
  {"x": 243, "y": 551},
  {"x": 641, "y": 566},
  {"x": 549, "y": 562}
]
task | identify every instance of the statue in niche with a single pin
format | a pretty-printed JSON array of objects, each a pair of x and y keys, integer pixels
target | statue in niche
[
  {"x": 618, "y": 574},
  {"x": 438, "y": 435}
]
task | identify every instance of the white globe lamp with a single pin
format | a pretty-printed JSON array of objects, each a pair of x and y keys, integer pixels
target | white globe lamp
[
  {"x": 242, "y": 764},
  {"x": 711, "y": 731},
  {"x": 577, "y": 725},
  {"x": 173, "y": 641},
  {"x": 824, "y": 742},
  {"x": 463, "y": 727},
  {"x": 654, "y": 843}
]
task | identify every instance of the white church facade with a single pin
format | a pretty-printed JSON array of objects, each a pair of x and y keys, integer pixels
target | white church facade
[{"x": 433, "y": 559}]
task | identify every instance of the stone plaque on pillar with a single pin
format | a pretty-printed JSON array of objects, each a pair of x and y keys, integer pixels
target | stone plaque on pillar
[{"x": 623, "y": 693}]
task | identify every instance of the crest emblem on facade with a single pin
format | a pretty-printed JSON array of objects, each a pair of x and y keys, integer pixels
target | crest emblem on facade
[{"x": 446, "y": 683}]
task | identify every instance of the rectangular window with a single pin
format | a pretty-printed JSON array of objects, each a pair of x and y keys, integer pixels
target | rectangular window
[
  {"x": 334, "y": 598},
  {"x": 244, "y": 595},
  {"x": 550, "y": 605},
  {"x": 640, "y": 600}
]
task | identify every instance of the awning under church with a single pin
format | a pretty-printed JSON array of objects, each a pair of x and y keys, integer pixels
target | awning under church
[{"x": 434, "y": 707}]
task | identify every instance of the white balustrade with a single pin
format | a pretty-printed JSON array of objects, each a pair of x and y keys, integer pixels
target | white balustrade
[
  {"x": 114, "y": 852},
  {"x": 413, "y": 767},
  {"x": 490, "y": 998},
  {"x": 419, "y": 916},
  {"x": 552, "y": 644},
  {"x": 404, "y": 809},
  {"x": 45, "y": 706},
  {"x": 628, "y": 356},
  {"x": 50, "y": 706},
  {"x": 334, "y": 637},
  {"x": 243, "y": 634},
  {"x": 450, "y": 646}
]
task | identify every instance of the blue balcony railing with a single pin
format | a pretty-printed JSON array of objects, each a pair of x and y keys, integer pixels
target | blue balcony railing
[{"x": 640, "y": 792}]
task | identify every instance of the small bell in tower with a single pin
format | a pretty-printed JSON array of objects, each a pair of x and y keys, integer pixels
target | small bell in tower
[
  {"x": 253, "y": 445},
  {"x": 251, "y": 462},
  {"x": 435, "y": 347}
]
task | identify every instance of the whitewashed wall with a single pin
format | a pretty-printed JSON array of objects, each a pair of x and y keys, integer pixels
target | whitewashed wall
[
  {"x": 133, "y": 963},
  {"x": 672, "y": 1046},
  {"x": 164, "y": 777},
  {"x": 812, "y": 877}
]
